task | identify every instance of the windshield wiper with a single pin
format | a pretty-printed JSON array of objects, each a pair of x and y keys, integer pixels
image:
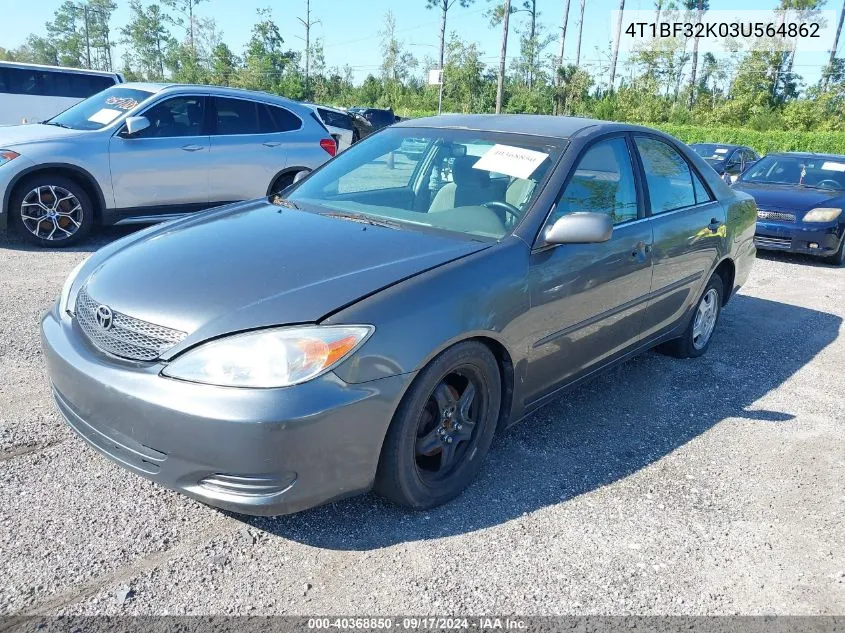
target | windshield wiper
[
  {"x": 56, "y": 124},
  {"x": 364, "y": 219}
]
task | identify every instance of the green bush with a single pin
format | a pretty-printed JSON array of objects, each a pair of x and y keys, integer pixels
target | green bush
[{"x": 763, "y": 142}]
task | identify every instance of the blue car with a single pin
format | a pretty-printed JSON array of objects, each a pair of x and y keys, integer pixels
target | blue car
[{"x": 800, "y": 198}]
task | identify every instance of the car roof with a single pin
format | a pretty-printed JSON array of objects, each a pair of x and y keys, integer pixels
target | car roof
[
  {"x": 221, "y": 91},
  {"x": 79, "y": 71},
  {"x": 534, "y": 124},
  {"x": 836, "y": 157}
]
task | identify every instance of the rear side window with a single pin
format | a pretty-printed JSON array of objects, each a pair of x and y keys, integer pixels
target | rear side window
[
  {"x": 283, "y": 120},
  {"x": 701, "y": 193},
  {"x": 335, "y": 119},
  {"x": 235, "y": 116},
  {"x": 668, "y": 176}
]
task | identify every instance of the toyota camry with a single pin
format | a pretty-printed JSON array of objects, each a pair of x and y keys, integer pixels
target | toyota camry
[{"x": 375, "y": 324}]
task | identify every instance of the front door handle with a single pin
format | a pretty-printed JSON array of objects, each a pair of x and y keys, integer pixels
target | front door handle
[
  {"x": 271, "y": 144},
  {"x": 639, "y": 251},
  {"x": 714, "y": 225},
  {"x": 192, "y": 148}
]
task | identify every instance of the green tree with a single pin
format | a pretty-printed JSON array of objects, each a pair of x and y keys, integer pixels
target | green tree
[
  {"x": 185, "y": 16},
  {"x": 266, "y": 61},
  {"x": 68, "y": 36},
  {"x": 147, "y": 41},
  {"x": 444, "y": 6}
]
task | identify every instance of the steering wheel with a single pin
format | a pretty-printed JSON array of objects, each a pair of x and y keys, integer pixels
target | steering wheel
[
  {"x": 505, "y": 207},
  {"x": 831, "y": 184}
]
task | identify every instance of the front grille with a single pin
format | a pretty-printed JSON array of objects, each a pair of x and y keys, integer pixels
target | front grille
[
  {"x": 127, "y": 337},
  {"x": 779, "y": 216},
  {"x": 772, "y": 242}
]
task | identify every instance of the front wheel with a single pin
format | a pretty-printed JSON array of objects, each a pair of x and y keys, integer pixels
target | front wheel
[
  {"x": 696, "y": 338},
  {"x": 443, "y": 429},
  {"x": 51, "y": 211}
]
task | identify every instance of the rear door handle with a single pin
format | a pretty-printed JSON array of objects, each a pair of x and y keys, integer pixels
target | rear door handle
[{"x": 192, "y": 148}]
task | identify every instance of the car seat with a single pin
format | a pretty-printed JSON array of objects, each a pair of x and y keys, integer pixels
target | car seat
[{"x": 470, "y": 187}]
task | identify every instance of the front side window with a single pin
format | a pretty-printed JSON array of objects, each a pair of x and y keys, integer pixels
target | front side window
[
  {"x": 467, "y": 182},
  {"x": 668, "y": 176},
  {"x": 101, "y": 109},
  {"x": 603, "y": 182},
  {"x": 176, "y": 117}
]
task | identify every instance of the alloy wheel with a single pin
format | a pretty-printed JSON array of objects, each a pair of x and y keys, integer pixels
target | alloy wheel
[
  {"x": 705, "y": 318},
  {"x": 448, "y": 424},
  {"x": 51, "y": 213}
]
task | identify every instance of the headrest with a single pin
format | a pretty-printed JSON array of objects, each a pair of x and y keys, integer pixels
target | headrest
[{"x": 465, "y": 176}]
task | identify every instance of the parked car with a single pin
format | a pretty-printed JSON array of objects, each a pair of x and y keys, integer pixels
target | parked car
[
  {"x": 139, "y": 153},
  {"x": 377, "y": 117},
  {"x": 729, "y": 161},
  {"x": 367, "y": 330},
  {"x": 31, "y": 92},
  {"x": 800, "y": 198},
  {"x": 339, "y": 123}
]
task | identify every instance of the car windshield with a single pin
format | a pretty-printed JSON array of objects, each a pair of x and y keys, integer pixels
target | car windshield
[
  {"x": 712, "y": 153},
  {"x": 101, "y": 109},
  {"x": 478, "y": 184},
  {"x": 822, "y": 172}
]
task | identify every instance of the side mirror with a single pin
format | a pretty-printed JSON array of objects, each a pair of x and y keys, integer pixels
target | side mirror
[
  {"x": 135, "y": 124},
  {"x": 300, "y": 175},
  {"x": 580, "y": 228}
]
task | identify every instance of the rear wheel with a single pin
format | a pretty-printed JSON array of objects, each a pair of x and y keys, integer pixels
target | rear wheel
[
  {"x": 696, "y": 338},
  {"x": 51, "y": 211},
  {"x": 281, "y": 183},
  {"x": 443, "y": 429}
]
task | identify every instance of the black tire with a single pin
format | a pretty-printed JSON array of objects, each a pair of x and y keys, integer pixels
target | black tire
[
  {"x": 411, "y": 469},
  {"x": 65, "y": 216},
  {"x": 281, "y": 183},
  {"x": 689, "y": 345},
  {"x": 837, "y": 257}
]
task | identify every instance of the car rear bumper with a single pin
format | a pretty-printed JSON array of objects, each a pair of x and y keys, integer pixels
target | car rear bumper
[
  {"x": 819, "y": 239},
  {"x": 252, "y": 451}
]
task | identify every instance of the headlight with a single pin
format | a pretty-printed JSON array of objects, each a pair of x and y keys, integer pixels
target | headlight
[
  {"x": 6, "y": 155},
  {"x": 822, "y": 214},
  {"x": 277, "y": 357},
  {"x": 63, "y": 297}
]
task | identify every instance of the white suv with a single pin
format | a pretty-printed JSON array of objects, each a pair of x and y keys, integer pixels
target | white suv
[{"x": 139, "y": 153}]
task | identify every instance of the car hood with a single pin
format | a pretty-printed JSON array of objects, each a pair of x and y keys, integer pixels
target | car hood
[
  {"x": 16, "y": 135},
  {"x": 255, "y": 264},
  {"x": 792, "y": 198}
]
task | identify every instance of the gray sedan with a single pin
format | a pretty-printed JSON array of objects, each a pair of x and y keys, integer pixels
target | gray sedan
[{"x": 379, "y": 322}]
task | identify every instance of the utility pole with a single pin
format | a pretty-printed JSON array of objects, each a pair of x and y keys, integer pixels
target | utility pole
[
  {"x": 500, "y": 90},
  {"x": 87, "y": 37},
  {"x": 308, "y": 23},
  {"x": 560, "y": 53}
]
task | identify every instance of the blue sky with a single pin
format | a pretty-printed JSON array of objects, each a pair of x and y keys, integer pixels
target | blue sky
[{"x": 349, "y": 29}]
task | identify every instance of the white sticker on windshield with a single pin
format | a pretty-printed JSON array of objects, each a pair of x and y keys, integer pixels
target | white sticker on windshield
[
  {"x": 511, "y": 161},
  {"x": 104, "y": 116},
  {"x": 721, "y": 150},
  {"x": 831, "y": 166}
]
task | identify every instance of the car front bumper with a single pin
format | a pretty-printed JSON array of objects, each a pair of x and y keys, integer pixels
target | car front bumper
[
  {"x": 799, "y": 237},
  {"x": 251, "y": 451}
]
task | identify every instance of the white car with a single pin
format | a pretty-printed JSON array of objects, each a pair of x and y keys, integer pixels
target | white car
[{"x": 339, "y": 124}]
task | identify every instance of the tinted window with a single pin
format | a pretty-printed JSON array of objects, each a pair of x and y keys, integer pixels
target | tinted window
[
  {"x": 668, "y": 176},
  {"x": 179, "y": 116},
  {"x": 701, "y": 193},
  {"x": 284, "y": 120},
  {"x": 603, "y": 182},
  {"x": 823, "y": 172},
  {"x": 236, "y": 116},
  {"x": 335, "y": 119},
  {"x": 47, "y": 83}
]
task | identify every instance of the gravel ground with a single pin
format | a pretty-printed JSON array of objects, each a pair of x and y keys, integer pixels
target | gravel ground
[{"x": 710, "y": 486}]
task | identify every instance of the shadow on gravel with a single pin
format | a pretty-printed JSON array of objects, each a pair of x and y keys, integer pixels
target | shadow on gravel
[
  {"x": 98, "y": 238},
  {"x": 798, "y": 259},
  {"x": 598, "y": 433}
]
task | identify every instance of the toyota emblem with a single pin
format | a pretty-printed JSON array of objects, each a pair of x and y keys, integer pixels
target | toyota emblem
[{"x": 104, "y": 317}]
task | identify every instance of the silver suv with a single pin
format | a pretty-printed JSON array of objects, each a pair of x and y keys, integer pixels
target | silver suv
[{"x": 141, "y": 153}]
